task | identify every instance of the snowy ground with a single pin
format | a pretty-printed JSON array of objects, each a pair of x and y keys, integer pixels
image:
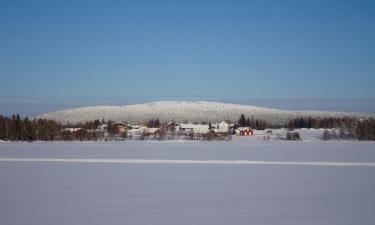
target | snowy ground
[{"x": 98, "y": 183}]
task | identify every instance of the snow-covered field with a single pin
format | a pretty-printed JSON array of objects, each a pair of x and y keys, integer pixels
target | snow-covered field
[{"x": 244, "y": 181}]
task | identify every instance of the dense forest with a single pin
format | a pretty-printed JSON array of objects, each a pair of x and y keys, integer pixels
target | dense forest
[{"x": 15, "y": 128}]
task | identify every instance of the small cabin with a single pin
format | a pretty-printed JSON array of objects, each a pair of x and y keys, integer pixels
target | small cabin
[
  {"x": 74, "y": 133},
  {"x": 221, "y": 127},
  {"x": 172, "y": 126},
  {"x": 156, "y": 132},
  {"x": 244, "y": 131},
  {"x": 121, "y": 128}
]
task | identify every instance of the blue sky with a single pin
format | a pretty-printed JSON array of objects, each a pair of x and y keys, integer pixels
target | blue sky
[{"x": 187, "y": 49}]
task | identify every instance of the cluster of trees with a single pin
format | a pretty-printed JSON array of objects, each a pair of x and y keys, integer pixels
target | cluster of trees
[
  {"x": 336, "y": 128},
  {"x": 365, "y": 129},
  {"x": 89, "y": 125},
  {"x": 293, "y": 136},
  {"x": 330, "y": 122},
  {"x": 253, "y": 123},
  {"x": 154, "y": 123},
  {"x": 15, "y": 128},
  {"x": 339, "y": 128}
]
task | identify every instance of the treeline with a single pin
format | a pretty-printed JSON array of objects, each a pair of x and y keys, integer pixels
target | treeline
[
  {"x": 365, "y": 129},
  {"x": 253, "y": 123},
  {"x": 15, "y": 128},
  {"x": 316, "y": 123},
  {"x": 338, "y": 128},
  {"x": 87, "y": 125}
]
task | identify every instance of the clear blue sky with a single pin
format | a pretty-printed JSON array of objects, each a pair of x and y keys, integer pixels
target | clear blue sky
[{"x": 171, "y": 49}]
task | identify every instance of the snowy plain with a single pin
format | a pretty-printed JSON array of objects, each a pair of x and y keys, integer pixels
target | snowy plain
[{"x": 98, "y": 192}]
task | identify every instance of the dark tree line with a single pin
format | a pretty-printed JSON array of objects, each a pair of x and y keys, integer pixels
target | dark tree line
[
  {"x": 90, "y": 125},
  {"x": 15, "y": 128},
  {"x": 330, "y": 122},
  {"x": 153, "y": 123},
  {"x": 365, "y": 129},
  {"x": 253, "y": 123}
]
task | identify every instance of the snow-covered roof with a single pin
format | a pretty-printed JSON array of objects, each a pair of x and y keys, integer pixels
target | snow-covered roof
[
  {"x": 71, "y": 129},
  {"x": 152, "y": 130},
  {"x": 143, "y": 130},
  {"x": 137, "y": 126},
  {"x": 194, "y": 126},
  {"x": 243, "y": 128}
]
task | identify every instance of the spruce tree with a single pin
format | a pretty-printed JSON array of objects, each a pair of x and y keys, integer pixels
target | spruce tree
[{"x": 242, "y": 121}]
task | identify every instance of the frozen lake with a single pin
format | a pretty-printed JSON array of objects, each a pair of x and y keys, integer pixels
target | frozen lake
[{"x": 97, "y": 183}]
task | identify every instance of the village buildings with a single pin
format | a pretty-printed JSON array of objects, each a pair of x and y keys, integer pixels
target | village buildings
[{"x": 171, "y": 130}]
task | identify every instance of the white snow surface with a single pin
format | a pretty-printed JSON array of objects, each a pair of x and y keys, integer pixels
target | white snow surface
[
  {"x": 182, "y": 111},
  {"x": 244, "y": 181},
  {"x": 184, "y": 162}
]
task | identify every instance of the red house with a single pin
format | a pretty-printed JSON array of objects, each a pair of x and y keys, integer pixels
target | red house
[{"x": 244, "y": 131}]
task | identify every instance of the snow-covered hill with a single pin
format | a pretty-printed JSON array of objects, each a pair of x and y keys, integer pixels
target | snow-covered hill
[{"x": 180, "y": 111}]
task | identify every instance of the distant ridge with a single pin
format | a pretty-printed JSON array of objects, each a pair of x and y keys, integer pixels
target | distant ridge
[{"x": 183, "y": 111}]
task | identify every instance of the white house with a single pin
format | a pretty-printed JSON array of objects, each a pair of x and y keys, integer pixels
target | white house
[
  {"x": 223, "y": 126},
  {"x": 196, "y": 128},
  {"x": 145, "y": 131}
]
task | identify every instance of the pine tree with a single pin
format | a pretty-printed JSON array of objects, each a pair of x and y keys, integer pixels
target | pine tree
[
  {"x": 242, "y": 121},
  {"x": 3, "y": 134},
  {"x": 248, "y": 122}
]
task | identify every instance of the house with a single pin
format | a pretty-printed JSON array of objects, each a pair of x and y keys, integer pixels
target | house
[
  {"x": 145, "y": 132},
  {"x": 269, "y": 132},
  {"x": 121, "y": 128},
  {"x": 171, "y": 126},
  {"x": 156, "y": 132},
  {"x": 74, "y": 133},
  {"x": 244, "y": 131},
  {"x": 194, "y": 128},
  {"x": 222, "y": 127}
]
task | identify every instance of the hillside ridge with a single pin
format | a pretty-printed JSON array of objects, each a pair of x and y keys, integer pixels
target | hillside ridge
[{"x": 185, "y": 111}]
